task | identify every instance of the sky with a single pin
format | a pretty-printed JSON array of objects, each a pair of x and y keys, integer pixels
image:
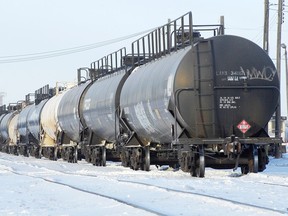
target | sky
[{"x": 33, "y": 26}]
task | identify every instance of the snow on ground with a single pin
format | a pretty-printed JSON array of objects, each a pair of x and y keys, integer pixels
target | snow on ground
[{"x": 32, "y": 186}]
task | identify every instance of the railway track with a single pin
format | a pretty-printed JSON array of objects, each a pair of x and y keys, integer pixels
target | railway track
[
  {"x": 147, "y": 210},
  {"x": 207, "y": 196},
  {"x": 92, "y": 183},
  {"x": 172, "y": 192},
  {"x": 96, "y": 175}
]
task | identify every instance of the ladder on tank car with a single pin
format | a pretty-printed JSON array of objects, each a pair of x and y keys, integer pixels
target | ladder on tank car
[{"x": 204, "y": 90}]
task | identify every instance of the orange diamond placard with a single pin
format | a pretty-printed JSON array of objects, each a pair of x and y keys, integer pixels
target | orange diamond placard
[{"x": 243, "y": 126}]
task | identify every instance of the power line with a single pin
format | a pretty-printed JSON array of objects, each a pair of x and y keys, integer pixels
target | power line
[{"x": 67, "y": 51}]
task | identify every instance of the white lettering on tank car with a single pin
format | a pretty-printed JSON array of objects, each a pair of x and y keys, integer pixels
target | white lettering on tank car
[
  {"x": 99, "y": 122},
  {"x": 231, "y": 76},
  {"x": 87, "y": 104},
  {"x": 111, "y": 97},
  {"x": 126, "y": 110},
  {"x": 170, "y": 85},
  {"x": 157, "y": 113},
  {"x": 75, "y": 113},
  {"x": 142, "y": 118},
  {"x": 110, "y": 116},
  {"x": 267, "y": 73},
  {"x": 228, "y": 102},
  {"x": 150, "y": 110}
]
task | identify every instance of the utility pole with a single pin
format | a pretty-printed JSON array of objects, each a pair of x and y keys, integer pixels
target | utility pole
[
  {"x": 222, "y": 23},
  {"x": 2, "y": 95},
  {"x": 278, "y": 153},
  {"x": 286, "y": 69},
  {"x": 266, "y": 27}
]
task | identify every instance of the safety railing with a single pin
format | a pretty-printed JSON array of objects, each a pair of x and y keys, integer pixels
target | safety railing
[
  {"x": 174, "y": 35},
  {"x": 108, "y": 64},
  {"x": 42, "y": 94}
]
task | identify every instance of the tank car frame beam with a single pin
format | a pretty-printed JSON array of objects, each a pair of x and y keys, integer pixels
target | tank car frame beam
[
  {"x": 200, "y": 141},
  {"x": 195, "y": 154}
]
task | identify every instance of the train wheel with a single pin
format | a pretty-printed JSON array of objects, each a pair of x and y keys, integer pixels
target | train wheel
[
  {"x": 55, "y": 153},
  {"x": 146, "y": 159},
  {"x": 75, "y": 155},
  {"x": 51, "y": 153},
  {"x": 198, "y": 168},
  {"x": 136, "y": 158},
  {"x": 125, "y": 157},
  {"x": 16, "y": 150},
  {"x": 26, "y": 151},
  {"x": 39, "y": 152},
  {"x": 253, "y": 162},
  {"x": 103, "y": 156},
  {"x": 244, "y": 169}
]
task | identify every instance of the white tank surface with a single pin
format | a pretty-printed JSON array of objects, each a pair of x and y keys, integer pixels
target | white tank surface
[
  {"x": 49, "y": 120},
  {"x": 12, "y": 130},
  {"x": 4, "y": 125}
]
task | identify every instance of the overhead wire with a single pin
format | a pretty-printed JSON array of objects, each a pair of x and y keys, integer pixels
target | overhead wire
[{"x": 66, "y": 51}]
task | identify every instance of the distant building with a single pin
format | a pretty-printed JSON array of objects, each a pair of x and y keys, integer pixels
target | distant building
[
  {"x": 2, "y": 95},
  {"x": 271, "y": 127}
]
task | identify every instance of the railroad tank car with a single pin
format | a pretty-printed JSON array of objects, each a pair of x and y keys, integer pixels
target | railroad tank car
[
  {"x": 8, "y": 133},
  {"x": 212, "y": 97},
  {"x": 24, "y": 133},
  {"x": 13, "y": 134},
  {"x": 177, "y": 99},
  {"x": 50, "y": 126},
  {"x": 34, "y": 127},
  {"x": 1, "y": 139},
  {"x": 68, "y": 115},
  {"x": 233, "y": 80},
  {"x": 98, "y": 110}
]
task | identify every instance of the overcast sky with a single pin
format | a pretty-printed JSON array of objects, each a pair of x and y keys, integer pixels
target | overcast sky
[{"x": 36, "y": 26}]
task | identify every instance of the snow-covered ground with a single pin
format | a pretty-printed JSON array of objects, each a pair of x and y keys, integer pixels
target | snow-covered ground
[{"x": 30, "y": 186}]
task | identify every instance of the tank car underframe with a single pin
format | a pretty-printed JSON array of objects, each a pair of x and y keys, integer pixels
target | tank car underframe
[
  {"x": 13, "y": 149},
  {"x": 95, "y": 154},
  {"x": 133, "y": 153},
  {"x": 65, "y": 149},
  {"x": 195, "y": 154},
  {"x": 23, "y": 149},
  {"x": 136, "y": 157},
  {"x": 25, "y": 144},
  {"x": 49, "y": 152},
  {"x": 94, "y": 149},
  {"x": 35, "y": 151}
]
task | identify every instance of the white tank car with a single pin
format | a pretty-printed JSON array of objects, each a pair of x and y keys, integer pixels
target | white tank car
[{"x": 49, "y": 121}]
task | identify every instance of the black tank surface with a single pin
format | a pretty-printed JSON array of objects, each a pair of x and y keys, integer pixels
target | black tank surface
[
  {"x": 221, "y": 86},
  {"x": 1, "y": 117},
  {"x": 22, "y": 123},
  {"x": 33, "y": 119},
  {"x": 68, "y": 112},
  {"x": 146, "y": 95},
  {"x": 100, "y": 104},
  {"x": 246, "y": 86}
]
